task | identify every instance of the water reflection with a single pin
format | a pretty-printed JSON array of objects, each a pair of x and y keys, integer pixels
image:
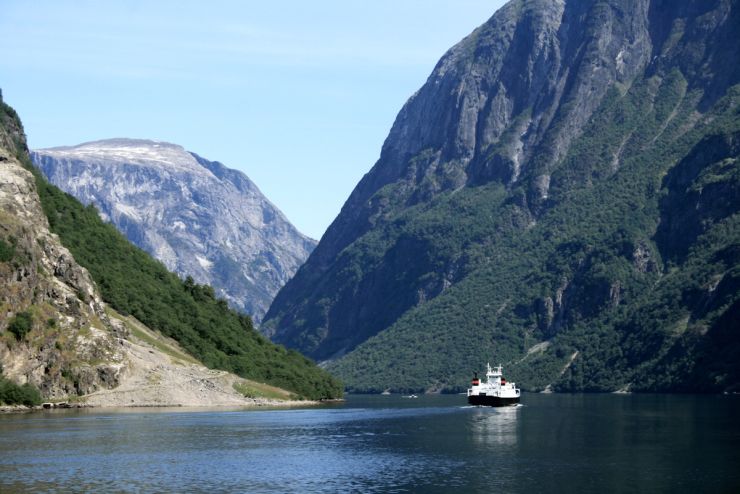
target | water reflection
[
  {"x": 495, "y": 426},
  {"x": 556, "y": 443}
]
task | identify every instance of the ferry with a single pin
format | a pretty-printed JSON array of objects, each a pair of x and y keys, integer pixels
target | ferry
[{"x": 495, "y": 392}]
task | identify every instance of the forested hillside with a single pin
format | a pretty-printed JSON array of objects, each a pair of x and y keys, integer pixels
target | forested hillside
[{"x": 561, "y": 196}]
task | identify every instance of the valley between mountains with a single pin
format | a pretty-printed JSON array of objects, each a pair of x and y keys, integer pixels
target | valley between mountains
[{"x": 561, "y": 196}]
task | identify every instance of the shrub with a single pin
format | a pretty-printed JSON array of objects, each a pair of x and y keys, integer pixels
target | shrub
[
  {"x": 21, "y": 324},
  {"x": 13, "y": 394},
  {"x": 7, "y": 251}
]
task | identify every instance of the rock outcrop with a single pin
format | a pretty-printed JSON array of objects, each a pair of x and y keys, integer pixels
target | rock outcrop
[
  {"x": 198, "y": 217},
  {"x": 68, "y": 346}
]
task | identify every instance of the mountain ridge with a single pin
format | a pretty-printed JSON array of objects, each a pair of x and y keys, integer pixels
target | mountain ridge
[{"x": 197, "y": 216}]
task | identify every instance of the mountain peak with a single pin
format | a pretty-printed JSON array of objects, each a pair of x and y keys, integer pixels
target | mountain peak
[
  {"x": 139, "y": 152},
  {"x": 198, "y": 217}
]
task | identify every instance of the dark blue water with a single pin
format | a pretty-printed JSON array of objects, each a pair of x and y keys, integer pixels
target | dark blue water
[{"x": 554, "y": 443}]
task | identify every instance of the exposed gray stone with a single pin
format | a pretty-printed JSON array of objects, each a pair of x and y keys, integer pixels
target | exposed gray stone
[
  {"x": 198, "y": 217},
  {"x": 71, "y": 346}
]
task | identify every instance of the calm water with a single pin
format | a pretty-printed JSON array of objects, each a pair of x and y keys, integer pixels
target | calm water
[{"x": 553, "y": 443}]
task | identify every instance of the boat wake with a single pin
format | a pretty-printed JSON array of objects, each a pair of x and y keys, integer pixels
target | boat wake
[{"x": 507, "y": 407}]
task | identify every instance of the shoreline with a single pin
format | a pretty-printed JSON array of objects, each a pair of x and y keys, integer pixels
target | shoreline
[{"x": 256, "y": 404}]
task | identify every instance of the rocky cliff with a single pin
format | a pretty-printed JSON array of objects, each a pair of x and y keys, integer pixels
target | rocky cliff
[
  {"x": 54, "y": 331},
  {"x": 564, "y": 172},
  {"x": 198, "y": 217}
]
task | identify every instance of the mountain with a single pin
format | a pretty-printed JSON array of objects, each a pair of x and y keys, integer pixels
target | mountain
[
  {"x": 561, "y": 196},
  {"x": 198, "y": 217},
  {"x": 55, "y": 333},
  {"x": 87, "y": 314}
]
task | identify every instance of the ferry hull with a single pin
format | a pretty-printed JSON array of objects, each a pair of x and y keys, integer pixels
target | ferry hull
[{"x": 492, "y": 401}]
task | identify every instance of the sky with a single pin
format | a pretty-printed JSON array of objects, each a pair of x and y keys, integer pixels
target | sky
[{"x": 298, "y": 95}]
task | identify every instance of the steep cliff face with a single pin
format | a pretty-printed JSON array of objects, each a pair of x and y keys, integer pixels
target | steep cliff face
[
  {"x": 501, "y": 105},
  {"x": 54, "y": 332},
  {"x": 198, "y": 217},
  {"x": 518, "y": 197}
]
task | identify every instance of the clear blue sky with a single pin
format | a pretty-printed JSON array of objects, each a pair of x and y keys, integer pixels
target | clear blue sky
[{"x": 298, "y": 95}]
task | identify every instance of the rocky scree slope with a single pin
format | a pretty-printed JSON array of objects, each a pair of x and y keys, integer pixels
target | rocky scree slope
[
  {"x": 198, "y": 217},
  {"x": 560, "y": 196}
]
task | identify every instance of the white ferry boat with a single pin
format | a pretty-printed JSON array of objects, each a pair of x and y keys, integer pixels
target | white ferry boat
[{"x": 495, "y": 392}]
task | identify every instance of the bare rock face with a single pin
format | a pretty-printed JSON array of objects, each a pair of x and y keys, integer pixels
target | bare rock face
[
  {"x": 521, "y": 86},
  {"x": 70, "y": 347},
  {"x": 198, "y": 217}
]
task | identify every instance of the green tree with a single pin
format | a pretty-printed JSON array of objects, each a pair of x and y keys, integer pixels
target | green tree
[{"x": 21, "y": 324}]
